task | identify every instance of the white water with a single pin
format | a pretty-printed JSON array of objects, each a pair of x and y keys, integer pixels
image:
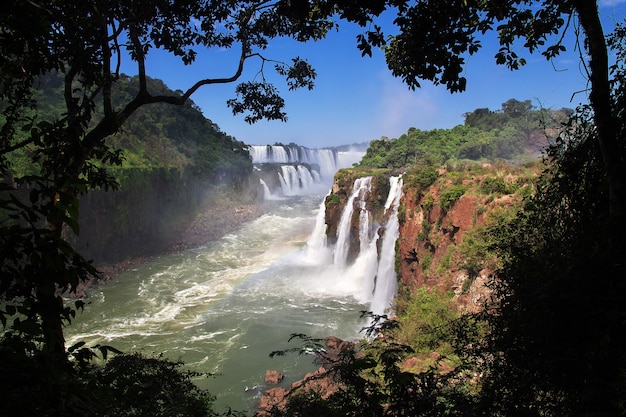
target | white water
[
  {"x": 222, "y": 308},
  {"x": 372, "y": 273},
  {"x": 296, "y": 178},
  {"x": 387, "y": 283},
  {"x": 361, "y": 188}
]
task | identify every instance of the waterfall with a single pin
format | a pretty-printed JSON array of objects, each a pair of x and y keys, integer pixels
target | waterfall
[
  {"x": 289, "y": 180},
  {"x": 314, "y": 168},
  {"x": 267, "y": 194},
  {"x": 298, "y": 180},
  {"x": 325, "y": 159},
  {"x": 316, "y": 249},
  {"x": 386, "y": 281},
  {"x": 371, "y": 277},
  {"x": 360, "y": 189}
]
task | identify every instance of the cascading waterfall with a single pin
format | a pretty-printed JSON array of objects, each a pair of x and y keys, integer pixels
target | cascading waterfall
[
  {"x": 267, "y": 194},
  {"x": 289, "y": 180},
  {"x": 361, "y": 188},
  {"x": 326, "y": 159},
  {"x": 386, "y": 283},
  {"x": 316, "y": 249},
  {"x": 371, "y": 278},
  {"x": 302, "y": 171}
]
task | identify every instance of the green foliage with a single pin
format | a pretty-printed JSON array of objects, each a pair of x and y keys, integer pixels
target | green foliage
[
  {"x": 508, "y": 134},
  {"x": 421, "y": 178},
  {"x": 446, "y": 259},
  {"x": 124, "y": 385},
  {"x": 371, "y": 379},
  {"x": 402, "y": 213},
  {"x": 423, "y": 317},
  {"x": 557, "y": 290},
  {"x": 427, "y": 202},
  {"x": 332, "y": 199},
  {"x": 133, "y": 385},
  {"x": 493, "y": 185},
  {"x": 450, "y": 195}
]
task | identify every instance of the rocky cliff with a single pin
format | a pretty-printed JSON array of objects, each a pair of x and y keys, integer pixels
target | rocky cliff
[
  {"x": 159, "y": 209},
  {"x": 440, "y": 223}
]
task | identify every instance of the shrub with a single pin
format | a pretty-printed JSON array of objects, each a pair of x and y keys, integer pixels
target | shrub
[
  {"x": 402, "y": 213},
  {"x": 422, "y": 178},
  {"x": 332, "y": 199},
  {"x": 493, "y": 185},
  {"x": 450, "y": 195}
]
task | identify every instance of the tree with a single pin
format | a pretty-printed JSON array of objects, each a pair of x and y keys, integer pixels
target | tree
[
  {"x": 85, "y": 43},
  {"x": 435, "y": 36}
]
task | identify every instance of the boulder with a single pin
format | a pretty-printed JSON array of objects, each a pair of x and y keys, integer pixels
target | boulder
[{"x": 273, "y": 377}]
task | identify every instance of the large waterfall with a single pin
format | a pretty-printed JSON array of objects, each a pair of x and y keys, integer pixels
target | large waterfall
[
  {"x": 298, "y": 170},
  {"x": 371, "y": 276}
]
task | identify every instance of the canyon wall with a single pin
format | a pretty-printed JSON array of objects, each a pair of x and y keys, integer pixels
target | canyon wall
[
  {"x": 439, "y": 225},
  {"x": 159, "y": 208}
]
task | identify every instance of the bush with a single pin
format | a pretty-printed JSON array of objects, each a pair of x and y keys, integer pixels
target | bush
[
  {"x": 422, "y": 178},
  {"x": 134, "y": 385},
  {"x": 493, "y": 185},
  {"x": 450, "y": 195},
  {"x": 332, "y": 199}
]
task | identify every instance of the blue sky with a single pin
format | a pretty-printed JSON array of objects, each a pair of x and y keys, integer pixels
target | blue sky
[{"x": 357, "y": 99}]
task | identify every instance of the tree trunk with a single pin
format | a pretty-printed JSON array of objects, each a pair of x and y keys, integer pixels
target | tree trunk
[
  {"x": 607, "y": 127},
  {"x": 50, "y": 310}
]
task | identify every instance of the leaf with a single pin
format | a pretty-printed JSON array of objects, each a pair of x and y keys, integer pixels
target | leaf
[{"x": 76, "y": 346}]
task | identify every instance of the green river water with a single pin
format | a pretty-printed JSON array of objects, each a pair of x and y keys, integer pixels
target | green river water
[{"x": 223, "y": 307}]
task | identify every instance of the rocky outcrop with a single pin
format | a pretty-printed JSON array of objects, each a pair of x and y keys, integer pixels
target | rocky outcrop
[
  {"x": 431, "y": 250},
  {"x": 319, "y": 381},
  {"x": 273, "y": 377}
]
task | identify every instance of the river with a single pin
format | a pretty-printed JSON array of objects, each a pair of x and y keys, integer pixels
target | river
[{"x": 223, "y": 307}]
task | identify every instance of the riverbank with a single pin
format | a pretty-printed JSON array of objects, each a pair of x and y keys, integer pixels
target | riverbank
[{"x": 208, "y": 226}]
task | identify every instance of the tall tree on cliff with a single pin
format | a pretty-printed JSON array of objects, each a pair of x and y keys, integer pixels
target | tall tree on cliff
[{"x": 85, "y": 42}]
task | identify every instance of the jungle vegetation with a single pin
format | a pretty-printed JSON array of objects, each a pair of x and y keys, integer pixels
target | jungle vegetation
[
  {"x": 555, "y": 344},
  {"x": 517, "y": 133}
]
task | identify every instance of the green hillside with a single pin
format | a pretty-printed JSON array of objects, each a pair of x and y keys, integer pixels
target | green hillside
[
  {"x": 516, "y": 133},
  {"x": 155, "y": 136}
]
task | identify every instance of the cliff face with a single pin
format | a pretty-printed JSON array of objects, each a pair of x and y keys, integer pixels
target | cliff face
[
  {"x": 439, "y": 231},
  {"x": 438, "y": 225},
  {"x": 157, "y": 209}
]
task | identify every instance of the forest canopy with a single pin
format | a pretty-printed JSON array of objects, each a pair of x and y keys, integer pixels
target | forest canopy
[{"x": 516, "y": 133}]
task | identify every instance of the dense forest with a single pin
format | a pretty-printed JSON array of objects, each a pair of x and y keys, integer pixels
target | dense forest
[
  {"x": 157, "y": 136},
  {"x": 516, "y": 133}
]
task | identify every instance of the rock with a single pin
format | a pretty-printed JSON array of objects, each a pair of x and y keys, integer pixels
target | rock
[
  {"x": 273, "y": 377},
  {"x": 332, "y": 342},
  {"x": 271, "y": 398}
]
